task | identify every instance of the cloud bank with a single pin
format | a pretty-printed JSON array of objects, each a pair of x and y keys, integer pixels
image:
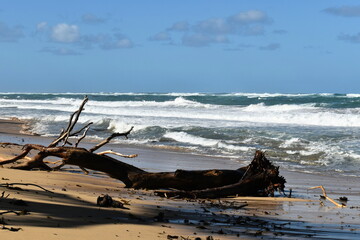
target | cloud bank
[
  {"x": 217, "y": 30},
  {"x": 71, "y": 35}
]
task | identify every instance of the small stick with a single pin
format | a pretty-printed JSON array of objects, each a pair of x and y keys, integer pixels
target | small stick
[
  {"x": 3, "y": 195},
  {"x": 99, "y": 145},
  {"x": 326, "y": 196},
  {"x": 7, "y": 185},
  {"x": 84, "y": 134}
]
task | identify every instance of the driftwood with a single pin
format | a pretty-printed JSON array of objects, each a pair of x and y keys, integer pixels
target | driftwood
[
  {"x": 327, "y": 197},
  {"x": 258, "y": 178}
]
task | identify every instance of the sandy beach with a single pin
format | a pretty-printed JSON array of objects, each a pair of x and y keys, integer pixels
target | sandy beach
[{"x": 68, "y": 209}]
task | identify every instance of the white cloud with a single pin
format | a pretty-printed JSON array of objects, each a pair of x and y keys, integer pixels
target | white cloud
[
  {"x": 213, "y": 26},
  {"x": 124, "y": 43},
  {"x": 70, "y": 34},
  {"x": 218, "y": 30},
  {"x": 344, "y": 11},
  {"x": 249, "y": 17},
  {"x": 65, "y": 33},
  {"x": 161, "y": 36},
  {"x": 120, "y": 41},
  {"x": 10, "y": 34}
]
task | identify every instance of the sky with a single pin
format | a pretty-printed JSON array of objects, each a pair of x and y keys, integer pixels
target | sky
[{"x": 276, "y": 46}]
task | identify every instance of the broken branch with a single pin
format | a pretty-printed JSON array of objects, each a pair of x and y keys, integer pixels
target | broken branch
[
  {"x": 87, "y": 127},
  {"x": 125, "y": 134},
  {"x": 327, "y": 197}
]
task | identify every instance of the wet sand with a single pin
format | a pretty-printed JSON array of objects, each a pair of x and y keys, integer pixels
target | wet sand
[{"x": 70, "y": 210}]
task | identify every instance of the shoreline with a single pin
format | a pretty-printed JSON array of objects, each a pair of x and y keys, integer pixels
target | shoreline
[{"x": 68, "y": 211}]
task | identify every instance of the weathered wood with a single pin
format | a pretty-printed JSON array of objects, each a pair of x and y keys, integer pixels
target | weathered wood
[
  {"x": 114, "y": 135},
  {"x": 261, "y": 179},
  {"x": 72, "y": 122}
]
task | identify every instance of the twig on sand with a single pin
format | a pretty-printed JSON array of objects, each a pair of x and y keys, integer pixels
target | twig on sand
[
  {"x": 3, "y": 195},
  {"x": 327, "y": 197},
  {"x": 12, "y": 229},
  {"x": 9, "y": 185}
]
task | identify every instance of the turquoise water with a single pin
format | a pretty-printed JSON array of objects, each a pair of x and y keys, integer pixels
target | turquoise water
[{"x": 302, "y": 132}]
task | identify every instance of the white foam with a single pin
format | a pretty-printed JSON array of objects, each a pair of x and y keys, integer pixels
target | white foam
[
  {"x": 205, "y": 142},
  {"x": 289, "y": 142},
  {"x": 271, "y": 95},
  {"x": 353, "y": 95},
  {"x": 177, "y": 102},
  {"x": 120, "y": 126},
  {"x": 261, "y": 107}
]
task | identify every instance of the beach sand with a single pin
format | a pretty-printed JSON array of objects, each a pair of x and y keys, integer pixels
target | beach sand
[{"x": 69, "y": 211}]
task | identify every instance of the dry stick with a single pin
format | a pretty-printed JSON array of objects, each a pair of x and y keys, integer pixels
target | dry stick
[
  {"x": 7, "y": 185},
  {"x": 77, "y": 115},
  {"x": 118, "y": 154},
  {"x": 326, "y": 196},
  {"x": 64, "y": 132},
  {"x": 3, "y": 195},
  {"x": 14, "y": 159},
  {"x": 79, "y": 131},
  {"x": 87, "y": 127},
  {"x": 71, "y": 125},
  {"x": 125, "y": 134}
]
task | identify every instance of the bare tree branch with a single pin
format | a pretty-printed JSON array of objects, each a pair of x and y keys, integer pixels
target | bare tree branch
[
  {"x": 72, "y": 122},
  {"x": 125, "y": 134},
  {"x": 118, "y": 154},
  {"x": 21, "y": 156},
  {"x": 87, "y": 127}
]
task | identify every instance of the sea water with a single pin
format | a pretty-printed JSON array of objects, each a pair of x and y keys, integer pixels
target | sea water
[{"x": 300, "y": 132}]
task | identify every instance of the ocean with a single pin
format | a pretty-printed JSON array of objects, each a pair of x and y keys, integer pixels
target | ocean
[{"x": 318, "y": 133}]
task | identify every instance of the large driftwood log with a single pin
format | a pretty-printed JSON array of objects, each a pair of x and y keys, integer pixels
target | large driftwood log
[
  {"x": 258, "y": 178},
  {"x": 261, "y": 178}
]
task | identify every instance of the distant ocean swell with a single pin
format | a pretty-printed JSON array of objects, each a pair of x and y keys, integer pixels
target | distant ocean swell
[{"x": 304, "y": 132}]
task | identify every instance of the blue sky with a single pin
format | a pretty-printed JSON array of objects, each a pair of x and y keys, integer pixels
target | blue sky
[{"x": 180, "y": 46}]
